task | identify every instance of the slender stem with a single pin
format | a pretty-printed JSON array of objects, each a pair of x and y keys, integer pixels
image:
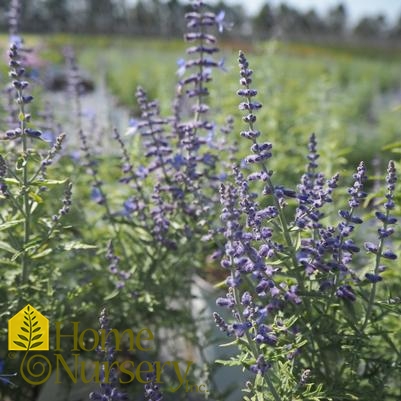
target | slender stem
[
  {"x": 373, "y": 290},
  {"x": 25, "y": 191}
]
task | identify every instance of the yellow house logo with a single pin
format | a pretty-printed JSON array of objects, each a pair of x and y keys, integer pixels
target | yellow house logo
[{"x": 28, "y": 330}]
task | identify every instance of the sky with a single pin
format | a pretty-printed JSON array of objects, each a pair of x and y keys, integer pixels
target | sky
[{"x": 356, "y": 8}]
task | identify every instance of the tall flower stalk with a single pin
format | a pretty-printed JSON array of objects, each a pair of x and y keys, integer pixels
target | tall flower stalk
[
  {"x": 387, "y": 220},
  {"x": 109, "y": 390},
  {"x": 16, "y": 73},
  {"x": 287, "y": 267}
]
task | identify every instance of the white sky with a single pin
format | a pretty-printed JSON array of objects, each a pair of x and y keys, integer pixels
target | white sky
[{"x": 356, "y": 8}]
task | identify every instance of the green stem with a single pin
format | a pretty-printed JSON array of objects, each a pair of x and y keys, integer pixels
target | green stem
[
  {"x": 25, "y": 193},
  {"x": 376, "y": 271}
]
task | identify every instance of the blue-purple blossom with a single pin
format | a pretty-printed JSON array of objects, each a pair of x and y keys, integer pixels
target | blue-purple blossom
[
  {"x": 108, "y": 389},
  {"x": 345, "y": 292},
  {"x": 240, "y": 328},
  {"x": 373, "y": 278},
  {"x": 221, "y": 64},
  {"x": 5, "y": 378},
  {"x": 132, "y": 129},
  {"x": 265, "y": 335},
  {"x": 49, "y": 136},
  {"x": 152, "y": 390},
  {"x": 292, "y": 295},
  {"x": 370, "y": 247},
  {"x": 261, "y": 366},
  {"x": 220, "y": 20},
  {"x": 97, "y": 195},
  {"x": 181, "y": 63},
  {"x": 225, "y": 302},
  {"x": 388, "y": 254},
  {"x": 385, "y": 218}
]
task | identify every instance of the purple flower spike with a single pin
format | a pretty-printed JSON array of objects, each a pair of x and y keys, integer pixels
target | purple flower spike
[
  {"x": 109, "y": 389},
  {"x": 221, "y": 324},
  {"x": 391, "y": 177}
]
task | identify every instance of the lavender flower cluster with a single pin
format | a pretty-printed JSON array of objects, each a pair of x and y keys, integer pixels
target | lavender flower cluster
[
  {"x": 180, "y": 151},
  {"x": 281, "y": 253}
]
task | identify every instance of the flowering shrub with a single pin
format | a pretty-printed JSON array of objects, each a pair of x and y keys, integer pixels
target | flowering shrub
[
  {"x": 311, "y": 285},
  {"x": 301, "y": 298}
]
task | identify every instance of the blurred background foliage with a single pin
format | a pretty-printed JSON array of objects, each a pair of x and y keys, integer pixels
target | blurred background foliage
[{"x": 166, "y": 18}]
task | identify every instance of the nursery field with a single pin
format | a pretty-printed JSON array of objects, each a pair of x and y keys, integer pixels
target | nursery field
[
  {"x": 199, "y": 223},
  {"x": 349, "y": 96}
]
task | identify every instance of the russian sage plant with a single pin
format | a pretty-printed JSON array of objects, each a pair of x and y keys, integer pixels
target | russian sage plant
[
  {"x": 306, "y": 310},
  {"x": 32, "y": 213},
  {"x": 309, "y": 269},
  {"x": 153, "y": 216}
]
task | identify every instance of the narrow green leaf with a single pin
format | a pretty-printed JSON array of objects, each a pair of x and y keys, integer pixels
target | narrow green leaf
[
  {"x": 35, "y": 197},
  {"x": 392, "y": 146},
  {"x": 112, "y": 295},
  {"x": 36, "y": 344},
  {"x": 42, "y": 183},
  {"x": 8, "y": 263},
  {"x": 11, "y": 181},
  {"x": 22, "y": 337},
  {"x": 36, "y": 337},
  {"x": 7, "y": 247},
  {"x": 75, "y": 245},
  {"x": 42, "y": 254},
  {"x": 10, "y": 224},
  {"x": 228, "y": 344}
]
